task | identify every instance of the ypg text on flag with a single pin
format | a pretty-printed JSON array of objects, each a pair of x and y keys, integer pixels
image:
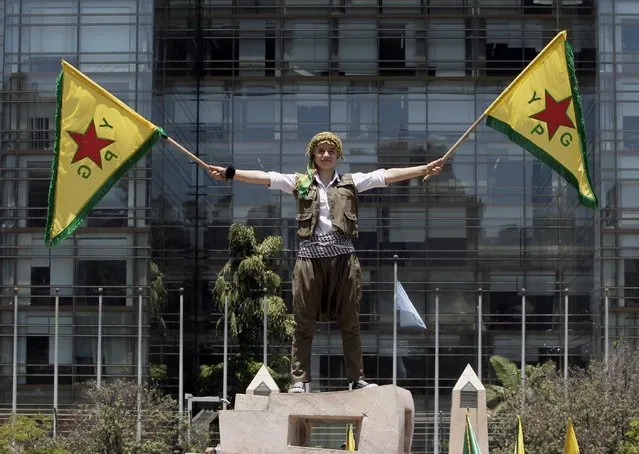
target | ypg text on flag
[
  {"x": 541, "y": 112},
  {"x": 98, "y": 139}
]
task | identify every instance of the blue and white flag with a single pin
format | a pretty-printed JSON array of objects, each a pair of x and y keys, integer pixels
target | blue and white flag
[{"x": 408, "y": 315}]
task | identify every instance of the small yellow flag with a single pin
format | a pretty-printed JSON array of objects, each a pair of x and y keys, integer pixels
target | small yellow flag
[
  {"x": 350, "y": 438},
  {"x": 98, "y": 139},
  {"x": 519, "y": 447},
  {"x": 571, "y": 446},
  {"x": 541, "y": 112}
]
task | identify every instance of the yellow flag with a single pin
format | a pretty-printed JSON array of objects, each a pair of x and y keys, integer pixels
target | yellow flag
[
  {"x": 350, "y": 438},
  {"x": 98, "y": 139},
  {"x": 541, "y": 112},
  {"x": 519, "y": 447},
  {"x": 571, "y": 446}
]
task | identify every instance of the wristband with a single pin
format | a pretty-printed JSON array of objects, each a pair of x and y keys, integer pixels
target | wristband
[{"x": 229, "y": 173}]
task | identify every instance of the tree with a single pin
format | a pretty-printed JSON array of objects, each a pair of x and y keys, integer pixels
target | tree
[
  {"x": 158, "y": 298},
  {"x": 157, "y": 306},
  {"x": 29, "y": 435},
  {"x": 248, "y": 282},
  {"x": 509, "y": 380},
  {"x": 631, "y": 444},
  {"x": 106, "y": 421},
  {"x": 602, "y": 402}
]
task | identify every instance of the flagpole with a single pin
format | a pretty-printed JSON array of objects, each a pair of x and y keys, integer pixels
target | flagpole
[
  {"x": 606, "y": 326},
  {"x": 201, "y": 163},
  {"x": 523, "y": 337},
  {"x": 14, "y": 394},
  {"x": 226, "y": 352},
  {"x": 99, "y": 372},
  {"x": 181, "y": 357},
  {"x": 138, "y": 434},
  {"x": 436, "y": 419},
  {"x": 479, "y": 325},
  {"x": 265, "y": 331},
  {"x": 55, "y": 361},
  {"x": 460, "y": 140},
  {"x": 520, "y": 76},
  {"x": 566, "y": 334},
  {"x": 395, "y": 321}
]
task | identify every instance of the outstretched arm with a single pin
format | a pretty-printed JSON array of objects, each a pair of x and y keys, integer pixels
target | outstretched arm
[
  {"x": 247, "y": 176},
  {"x": 405, "y": 173}
]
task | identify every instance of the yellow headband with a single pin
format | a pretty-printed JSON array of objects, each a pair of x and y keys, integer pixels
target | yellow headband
[{"x": 325, "y": 137}]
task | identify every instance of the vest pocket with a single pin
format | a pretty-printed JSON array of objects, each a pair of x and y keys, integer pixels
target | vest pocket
[
  {"x": 304, "y": 224},
  {"x": 350, "y": 222}
]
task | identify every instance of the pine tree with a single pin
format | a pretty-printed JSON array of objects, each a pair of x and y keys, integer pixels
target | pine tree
[{"x": 248, "y": 281}]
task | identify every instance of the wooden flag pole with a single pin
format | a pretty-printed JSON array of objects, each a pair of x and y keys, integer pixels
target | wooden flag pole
[
  {"x": 460, "y": 140},
  {"x": 201, "y": 163}
]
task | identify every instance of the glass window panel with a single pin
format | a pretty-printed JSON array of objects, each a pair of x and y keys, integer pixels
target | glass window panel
[
  {"x": 37, "y": 199},
  {"x": 624, "y": 7},
  {"x": 252, "y": 43},
  {"x": 305, "y": 112},
  {"x": 417, "y": 109},
  {"x": 357, "y": 111},
  {"x": 107, "y": 34},
  {"x": 447, "y": 47},
  {"x": 111, "y": 275},
  {"x": 256, "y": 113},
  {"x": 397, "y": 48},
  {"x": 631, "y": 132},
  {"x": 447, "y": 222},
  {"x": 449, "y": 112},
  {"x": 306, "y": 47},
  {"x": 112, "y": 209},
  {"x": 50, "y": 28},
  {"x": 393, "y": 114},
  {"x": 357, "y": 47},
  {"x": 501, "y": 226},
  {"x": 406, "y": 225}
]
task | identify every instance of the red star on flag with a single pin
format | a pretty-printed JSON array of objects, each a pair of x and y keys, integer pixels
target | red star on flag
[
  {"x": 89, "y": 145},
  {"x": 555, "y": 114}
]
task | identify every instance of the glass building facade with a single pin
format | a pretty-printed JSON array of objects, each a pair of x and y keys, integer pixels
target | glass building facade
[
  {"x": 113, "y": 43},
  {"x": 249, "y": 82}
]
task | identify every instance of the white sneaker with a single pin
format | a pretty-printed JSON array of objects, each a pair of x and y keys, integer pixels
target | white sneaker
[
  {"x": 298, "y": 387},
  {"x": 361, "y": 384}
]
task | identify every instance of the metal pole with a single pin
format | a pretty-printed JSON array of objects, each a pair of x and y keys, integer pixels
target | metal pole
[
  {"x": 395, "y": 322},
  {"x": 265, "y": 329},
  {"x": 523, "y": 337},
  {"x": 99, "y": 377},
  {"x": 436, "y": 421},
  {"x": 566, "y": 334},
  {"x": 139, "y": 409},
  {"x": 606, "y": 326},
  {"x": 56, "y": 322},
  {"x": 14, "y": 378},
  {"x": 226, "y": 351},
  {"x": 181, "y": 356},
  {"x": 479, "y": 333}
]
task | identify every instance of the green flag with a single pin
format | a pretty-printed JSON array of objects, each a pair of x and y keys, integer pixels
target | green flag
[{"x": 470, "y": 441}]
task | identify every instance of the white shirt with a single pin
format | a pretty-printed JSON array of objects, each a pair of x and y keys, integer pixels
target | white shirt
[{"x": 363, "y": 182}]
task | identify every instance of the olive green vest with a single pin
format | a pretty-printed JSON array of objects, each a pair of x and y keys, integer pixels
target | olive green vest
[{"x": 342, "y": 202}]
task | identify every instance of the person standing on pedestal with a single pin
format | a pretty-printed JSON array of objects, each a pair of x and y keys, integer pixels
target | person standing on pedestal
[{"x": 327, "y": 279}]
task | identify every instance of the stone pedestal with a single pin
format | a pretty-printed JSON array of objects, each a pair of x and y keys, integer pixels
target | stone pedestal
[{"x": 284, "y": 423}]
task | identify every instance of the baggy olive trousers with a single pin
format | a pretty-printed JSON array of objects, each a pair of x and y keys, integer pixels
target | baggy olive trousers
[{"x": 328, "y": 288}]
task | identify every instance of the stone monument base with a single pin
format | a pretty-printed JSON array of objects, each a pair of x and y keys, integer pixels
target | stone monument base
[{"x": 382, "y": 419}]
